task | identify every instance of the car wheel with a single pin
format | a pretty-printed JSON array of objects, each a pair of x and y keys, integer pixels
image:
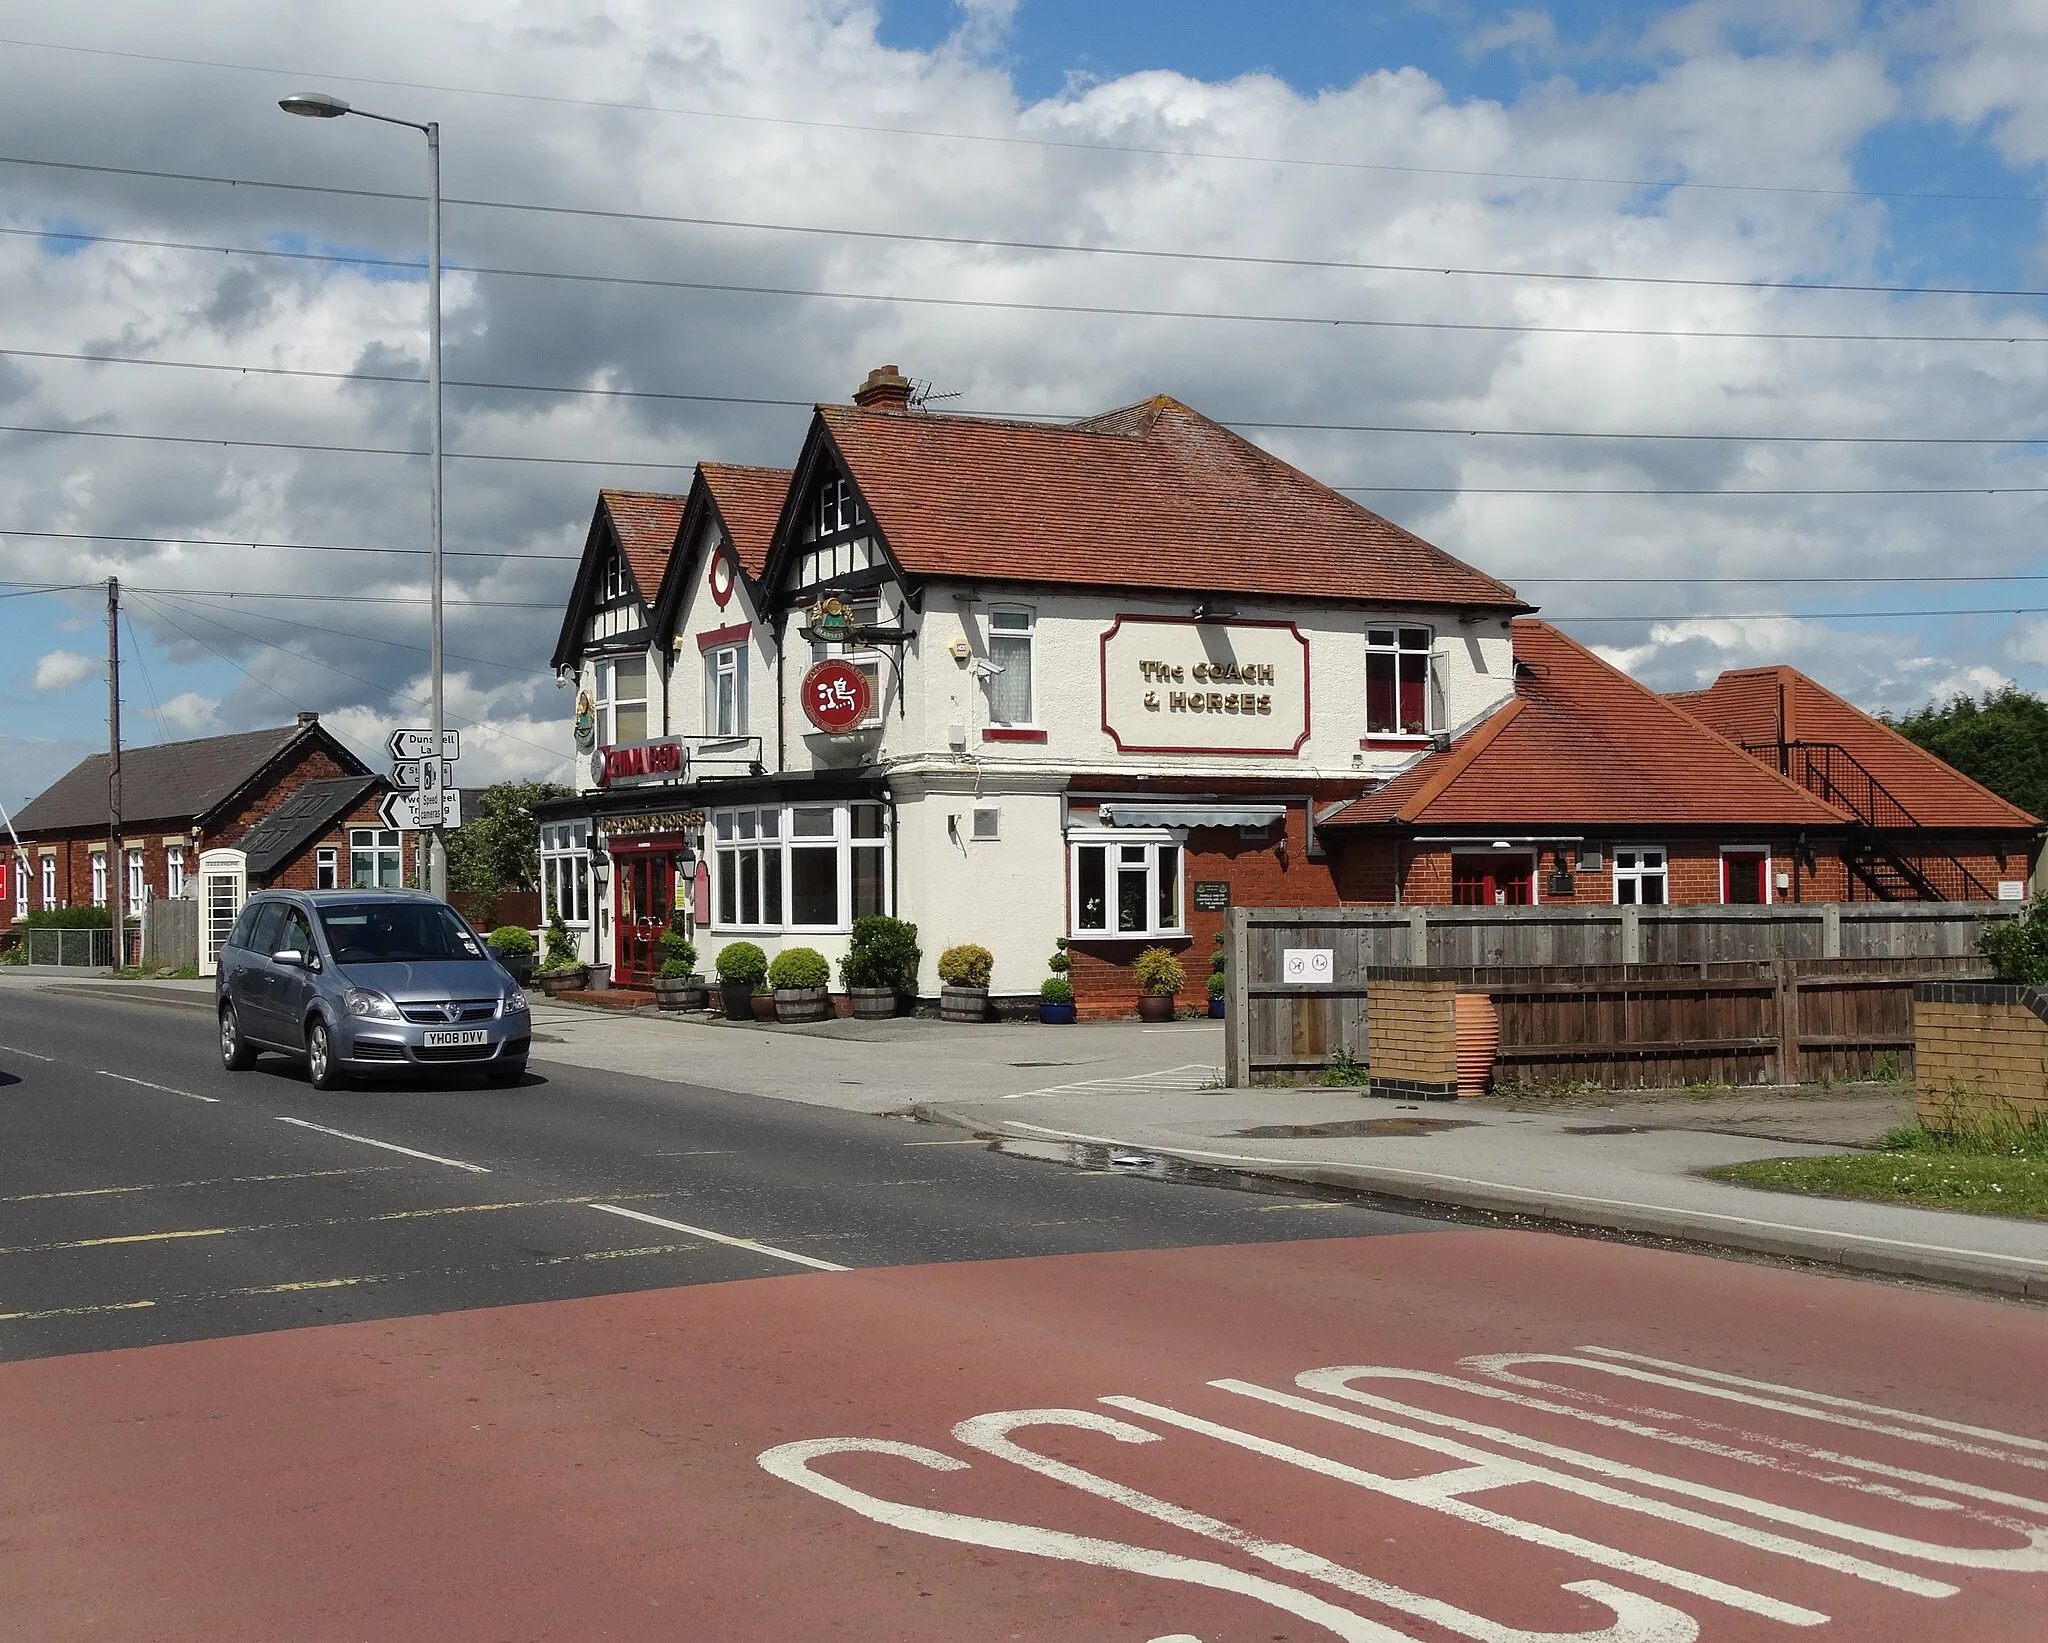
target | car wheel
[
  {"x": 321, "y": 1067},
  {"x": 509, "y": 1073},
  {"x": 236, "y": 1053}
]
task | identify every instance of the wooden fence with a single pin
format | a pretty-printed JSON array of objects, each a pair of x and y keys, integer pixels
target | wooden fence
[{"x": 1634, "y": 996}]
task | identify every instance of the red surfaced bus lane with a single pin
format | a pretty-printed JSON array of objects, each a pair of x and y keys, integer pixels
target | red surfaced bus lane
[{"x": 1512, "y": 1438}]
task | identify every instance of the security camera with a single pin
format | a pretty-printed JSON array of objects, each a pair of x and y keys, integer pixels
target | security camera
[{"x": 982, "y": 668}]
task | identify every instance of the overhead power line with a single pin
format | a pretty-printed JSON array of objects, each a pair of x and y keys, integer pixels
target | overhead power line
[
  {"x": 279, "y": 547},
  {"x": 206, "y": 603},
  {"x": 1101, "y": 310},
  {"x": 317, "y": 598},
  {"x": 1018, "y": 140}
]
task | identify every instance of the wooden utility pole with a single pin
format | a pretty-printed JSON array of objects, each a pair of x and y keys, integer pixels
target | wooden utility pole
[{"x": 117, "y": 867}]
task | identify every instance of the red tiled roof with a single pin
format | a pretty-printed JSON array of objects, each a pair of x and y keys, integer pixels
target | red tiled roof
[
  {"x": 1151, "y": 496},
  {"x": 1582, "y": 744},
  {"x": 749, "y": 500},
  {"x": 646, "y": 523},
  {"x": 1769, "y": 704}
]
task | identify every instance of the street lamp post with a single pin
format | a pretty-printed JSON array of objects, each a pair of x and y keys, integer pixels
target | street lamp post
[{"x": 318, "y": 105}]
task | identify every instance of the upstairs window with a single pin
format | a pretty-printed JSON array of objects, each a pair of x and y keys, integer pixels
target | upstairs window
[
  {"x": 1397, "y": 681},
  {"x": 1642, "y": 875},
  {"x": 622, "y": 701},
  {"x": 617, "y": 585},
  {"x": 837, "y": 509},
  {"x": 725, "y": 691},
  {"x": 867, "y": 613},
  {"x": 1012, "y": 636}
]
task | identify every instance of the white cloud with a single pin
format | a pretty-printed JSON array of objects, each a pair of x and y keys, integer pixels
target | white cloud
[
  {"x": 61, "y": 669},
  {"x": 190, "y": 711},
  {"x": 984, "y": 25}
]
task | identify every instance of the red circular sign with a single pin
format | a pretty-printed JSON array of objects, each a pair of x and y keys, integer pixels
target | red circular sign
[{"x": 837, "y": 696}]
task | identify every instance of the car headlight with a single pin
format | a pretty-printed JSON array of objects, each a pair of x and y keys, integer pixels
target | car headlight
[
  {"x": 515, "y": 1002},
  {"x": 376, "y": 1006}
]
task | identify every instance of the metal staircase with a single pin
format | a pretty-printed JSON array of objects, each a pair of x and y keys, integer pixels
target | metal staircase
[{"x": 1835, "y": 776}]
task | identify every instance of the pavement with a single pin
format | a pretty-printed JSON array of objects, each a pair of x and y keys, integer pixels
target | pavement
[{"x": 1137, "y": 1098}]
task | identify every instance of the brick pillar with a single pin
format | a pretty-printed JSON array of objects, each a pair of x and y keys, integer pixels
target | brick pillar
[{"x": 1411, "y": 1034}]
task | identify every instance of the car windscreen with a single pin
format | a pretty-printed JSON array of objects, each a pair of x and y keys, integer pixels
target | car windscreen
[{"x": 396, "y": 933}]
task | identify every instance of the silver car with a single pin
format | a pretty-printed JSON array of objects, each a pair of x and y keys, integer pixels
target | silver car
[{"x": 366, "y": 981}]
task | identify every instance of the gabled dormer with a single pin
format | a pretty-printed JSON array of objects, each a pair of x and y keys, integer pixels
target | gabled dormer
[
  {"x": 722, "y": 547},
  {"x": 632, "y": 534}
]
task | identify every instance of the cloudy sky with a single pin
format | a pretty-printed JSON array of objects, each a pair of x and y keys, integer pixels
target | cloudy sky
[{"x": 1719, "y": 329}]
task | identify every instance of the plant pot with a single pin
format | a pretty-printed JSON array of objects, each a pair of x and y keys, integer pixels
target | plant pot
[
  {"x": 1155, "y": 1006},
  {"x": 872, "y": 1003},
  {"x": 554, "y": 983},
  {"x": 737, "y": 997},
  {"x": 793, "y": 1004},
  {"x": 598, "y": 978},
  {"x": 963, "y": 1003},
  {"x": 1055, "y": 1015},
  {"x": 1215, "y": 1006},
  {"x": 763, "y": 1006},
  {"x": 679, "y": 992},
  {"x": 519, "y": 966}
]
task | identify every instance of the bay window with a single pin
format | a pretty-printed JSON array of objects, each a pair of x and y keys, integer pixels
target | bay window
[
  {"x": 1397, "y": 681},
  {"x": 799, "y": 866},
  {"x": 1642, "y": 875},
  {"x": 725, "y": 691},
  {"x": 375, "y": 858},
  {"x": 1011, "y": 635},
  {"x": 565, "y": 872},
  {"x": 1124, "y": 885},
  {"x": 621, "y": 700}
]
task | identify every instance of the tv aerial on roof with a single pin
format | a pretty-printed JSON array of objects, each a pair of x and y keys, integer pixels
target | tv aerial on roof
[{"x": 923, "y": 394}]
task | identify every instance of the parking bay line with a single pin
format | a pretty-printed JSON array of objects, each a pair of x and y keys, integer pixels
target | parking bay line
[
  {"x": 753, "y": 1244},
  {"x": 31, "y": 1054},
  {"x": 144, "y": 1083},
  {"x": 388, "y": 1146}
]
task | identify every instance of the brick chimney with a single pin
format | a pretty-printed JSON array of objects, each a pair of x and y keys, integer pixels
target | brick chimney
[
  {"x": 886, "y": 389},
  {"x": 309, "y": 718}
]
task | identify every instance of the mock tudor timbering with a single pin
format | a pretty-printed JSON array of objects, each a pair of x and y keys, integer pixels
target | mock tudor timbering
[{"x": 1017, "y": 682}]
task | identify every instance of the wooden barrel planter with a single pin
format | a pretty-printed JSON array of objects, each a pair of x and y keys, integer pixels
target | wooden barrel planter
[
  {"x": 963, "y": 1003},
  {"x": 872, "y": 1003},
  {"x": 679, "y": 992},
  {"x": 794, "y": 1004},
  {"x": 554, "y": 983}
]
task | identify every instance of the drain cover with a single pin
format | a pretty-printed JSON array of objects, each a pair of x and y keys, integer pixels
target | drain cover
[{"x": 1607, "y": 1129}]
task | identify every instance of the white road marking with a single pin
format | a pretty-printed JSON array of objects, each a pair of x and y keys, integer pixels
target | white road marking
[
  {"x": 1441, "y": 1492},
  {"x": 212, "y": 1181},
  {"x": 976, "y": 1141},
  {"x": 31, "y": 1054},
  {"x": 388, "y": 1146},
  {"x": 753, "y": 1244},
  {"x": 1593, "y": 1203},
  {"x": 1193, "y": 1075},
  {"x": 1637, "y": 1619},
  {"x": 144, "y": 1083}
]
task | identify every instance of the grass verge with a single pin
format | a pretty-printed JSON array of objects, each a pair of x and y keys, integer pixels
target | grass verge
[{"x": 1996, "y": 1168}]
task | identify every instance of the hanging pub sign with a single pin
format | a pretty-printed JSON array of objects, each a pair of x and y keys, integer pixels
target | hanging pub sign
[
  {"x": 831, "y": 622},
  {"x": 639, "y": 764},
  {"x": 1171, "y": 685},
  {"x": 837, "y": 697},
  {"x": 586, "y": 721}
]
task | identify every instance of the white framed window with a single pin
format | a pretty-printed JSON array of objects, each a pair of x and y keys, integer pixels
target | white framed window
[
  {"x": 99, "y": 878},
  {"x": 21, "y": 885},
  {"x": 866, "y": 611},
  {"x": 1012, "y": 637},
  {"x": 618, "y": 580},
  {"x": 49, "y": 881},
  {"x": 621, "y": 701},
  {"x": 725, "y": 691},
  {"x": 376, "y": 858},
  {"x": 1125, "y": 883},
  {"x": 1642, "y": 875},
  {"x": 837, "y": 509},
  {"x": 988, "y": 823},
  {"x": 799, "y": 867},
  {"x": 138, "y": 887},
  {"x": 1397, "y": 681},
  {"x": 327, "y": 869},
  {"x": 565, "y": 872},
  {"x": 174, "y": 870},
  {"x": 1745, "y": 875}
]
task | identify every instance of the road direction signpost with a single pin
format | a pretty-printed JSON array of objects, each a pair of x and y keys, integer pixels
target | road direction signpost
[
  {"x": 407, "y": 811},
  {"x": 419, "y": 744},
  {"x": 422, "y": 775}
]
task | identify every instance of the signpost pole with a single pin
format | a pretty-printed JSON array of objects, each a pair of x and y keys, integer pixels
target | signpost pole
[{"x": 117, "y": 872}]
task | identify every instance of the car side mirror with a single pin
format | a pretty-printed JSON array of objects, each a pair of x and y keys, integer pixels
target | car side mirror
[{"x": 290, "y": 957}]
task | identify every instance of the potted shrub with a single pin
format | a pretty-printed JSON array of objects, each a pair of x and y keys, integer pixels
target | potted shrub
[
  {"x": 1056, "y": 991},
  {"x": 880, "y": 966},
  {"x": 1218, "y": 980},
  {"x": 515, "y": 949},
  {"x": 963, "y": 973},
  {"x": 677, "y": 986},
  {"x": 742, "y": 967},
  {"x": 562, "y": 971},
  {"x": 802, "y": 981},
  {"x": 1159, "y": 978}
]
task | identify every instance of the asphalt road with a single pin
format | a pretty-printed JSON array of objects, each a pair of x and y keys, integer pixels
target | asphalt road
[
  {"x": 148, "y": 1196},
  {"x": 282, "y": 1382}
]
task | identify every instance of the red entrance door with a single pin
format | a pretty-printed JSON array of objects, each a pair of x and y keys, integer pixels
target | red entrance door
[
  {"x": 1505, "y": 880},
  {"x": 646, "y": 894}
]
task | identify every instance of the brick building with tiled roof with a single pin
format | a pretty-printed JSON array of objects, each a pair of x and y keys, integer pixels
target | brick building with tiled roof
[{"x": 1097, "y": 682}]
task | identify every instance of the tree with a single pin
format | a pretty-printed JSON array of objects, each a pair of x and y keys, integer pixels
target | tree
[
  {"x": 2001, "y": 741},
  {"x": 500, "y": 850}
]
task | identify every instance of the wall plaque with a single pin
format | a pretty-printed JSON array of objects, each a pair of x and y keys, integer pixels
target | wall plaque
[
  {"x": 1211, "y": 895},
  {"x": 1171, "y": 684}
]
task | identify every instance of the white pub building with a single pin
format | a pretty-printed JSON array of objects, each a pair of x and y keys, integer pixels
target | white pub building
[{"x": 1008, "y": 681}]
